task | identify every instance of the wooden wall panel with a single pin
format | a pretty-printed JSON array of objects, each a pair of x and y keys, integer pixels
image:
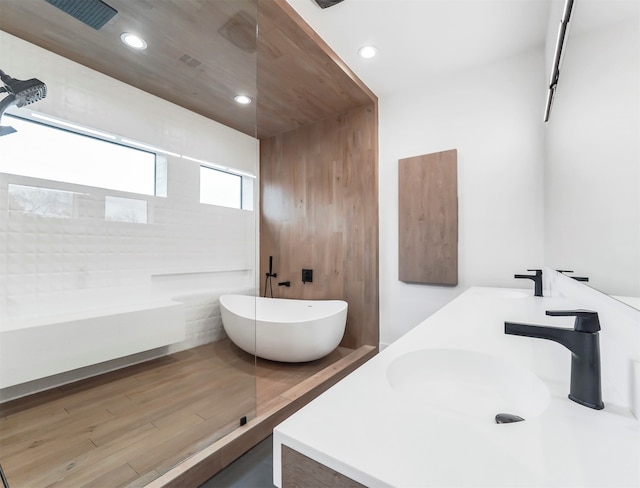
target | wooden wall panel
[
  {"x": 319, "y": 210},
  {"x": 300, "y": 78},
  {"x": 428, "y": 218}
]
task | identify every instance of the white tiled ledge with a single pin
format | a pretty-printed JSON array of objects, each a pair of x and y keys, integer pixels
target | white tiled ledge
[
  {"x": 162, "y": 289},
  {"x": 199, "y": 272},
  {"x": 71, "y": 335},
  {"x": 42, "y": 310},
  {"x": 39, "y": 347}
]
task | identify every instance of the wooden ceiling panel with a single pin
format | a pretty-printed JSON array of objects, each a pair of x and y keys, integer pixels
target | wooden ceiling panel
[{"x": 201, "y": 54}]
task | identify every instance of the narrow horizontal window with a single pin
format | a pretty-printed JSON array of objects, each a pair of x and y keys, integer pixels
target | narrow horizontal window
[
  {"x": 51, "y": 153},
  {"x": 125, "y": 209},
  {"x": 47, "y": 202},
  {"x": 220, "y": 188}
]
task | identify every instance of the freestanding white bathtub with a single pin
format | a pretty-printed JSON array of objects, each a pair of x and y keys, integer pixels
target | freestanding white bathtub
[{"x": 283, "y": 329}]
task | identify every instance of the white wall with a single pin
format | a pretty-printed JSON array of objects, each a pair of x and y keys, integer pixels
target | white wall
[
  {"x": 492, "y": 115},
  {"x": 592, "y": 182},
  {"x": 46, "y": 262}
]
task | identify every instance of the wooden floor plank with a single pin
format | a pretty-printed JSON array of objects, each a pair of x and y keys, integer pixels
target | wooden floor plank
[
  {"x": 33, "y": 447},
  {"x": 36, "y": 472},
  {"x": 207, "y": 462},
  {"x": 91, "y": 463},
  {"x": 32, "y": 419},
  {"x": 118, "y": 476},
  {"x": 128, "y": 427},
  {"x": 32, "y": 401}
]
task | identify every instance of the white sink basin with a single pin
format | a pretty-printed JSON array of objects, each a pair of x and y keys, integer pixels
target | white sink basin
[{"x": 467, "y": 385}]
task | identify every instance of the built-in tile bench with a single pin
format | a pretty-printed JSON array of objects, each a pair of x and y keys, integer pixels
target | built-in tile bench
[{"x": 43, "y": 339}]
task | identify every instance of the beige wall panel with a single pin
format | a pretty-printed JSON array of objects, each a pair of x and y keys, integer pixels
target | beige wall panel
[{"x": 428, "y": 218}]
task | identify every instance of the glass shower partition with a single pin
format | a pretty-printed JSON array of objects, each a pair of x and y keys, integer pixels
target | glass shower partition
[{"x": 114, "y": 364}]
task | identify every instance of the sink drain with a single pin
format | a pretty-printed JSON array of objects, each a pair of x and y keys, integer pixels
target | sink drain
[{"x": 507, "y": 418}]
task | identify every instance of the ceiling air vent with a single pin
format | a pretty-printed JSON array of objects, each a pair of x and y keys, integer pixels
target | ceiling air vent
[
  {"x": 327, "y": 3},
  {"x": 93, "y": 13},
  {"x": 189, "y": 61}
]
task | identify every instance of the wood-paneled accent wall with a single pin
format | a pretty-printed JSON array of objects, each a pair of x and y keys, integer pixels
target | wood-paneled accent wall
[
  {"x": 319, "y": 210},
  {"x": 428, "y": 218},
  {"x": 300, "y": 79}
]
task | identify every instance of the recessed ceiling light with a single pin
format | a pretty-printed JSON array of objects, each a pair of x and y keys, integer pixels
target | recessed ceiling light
[
  {"x": 367, "y": 52},
  {"x": 242, "y": 99},
  {"x": 133, "y": 40}
]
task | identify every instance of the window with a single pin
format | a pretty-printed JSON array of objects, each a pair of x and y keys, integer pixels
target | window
[
  {"x": 125, "y": 209},
  {"x": 43, "y": 151},
  {"x": 46, "y": 202},
  {"x": 221, "y": 188}
]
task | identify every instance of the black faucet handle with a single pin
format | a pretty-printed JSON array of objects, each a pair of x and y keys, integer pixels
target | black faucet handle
[
  {"x": 586, "y": 320},
  {"x": 537, "y": 275}
]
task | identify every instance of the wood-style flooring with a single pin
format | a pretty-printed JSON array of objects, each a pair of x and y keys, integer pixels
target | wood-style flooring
[{"x": 128, "y": 427}]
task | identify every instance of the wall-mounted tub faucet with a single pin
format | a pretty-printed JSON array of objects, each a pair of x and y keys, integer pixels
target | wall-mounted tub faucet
[
  {"x": 270, "y": 274},
  {"x": 284, "y": 283},
  {"x": 537, "y": 279},
  {"x": 583, "y": 342}
]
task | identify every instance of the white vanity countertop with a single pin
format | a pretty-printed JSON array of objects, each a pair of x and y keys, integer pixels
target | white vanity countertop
[{"x": 363, "y": 429}]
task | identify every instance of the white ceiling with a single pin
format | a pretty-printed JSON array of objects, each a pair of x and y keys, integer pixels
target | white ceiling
[{"x": 421, "y": 39}]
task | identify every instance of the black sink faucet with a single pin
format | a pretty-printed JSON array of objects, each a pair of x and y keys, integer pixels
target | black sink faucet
[
  {"x": 537, "y": 279},
  {"x": 577, "y": 278},
  {"x": 583, "y": 342}
]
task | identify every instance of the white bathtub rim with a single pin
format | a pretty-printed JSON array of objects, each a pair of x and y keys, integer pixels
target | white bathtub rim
[{"x": 339, "y": 305}]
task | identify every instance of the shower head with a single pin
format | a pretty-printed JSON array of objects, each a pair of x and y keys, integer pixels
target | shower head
[
  {"x": 25, "y": 92},
  {"x": 20, "y": 93}
]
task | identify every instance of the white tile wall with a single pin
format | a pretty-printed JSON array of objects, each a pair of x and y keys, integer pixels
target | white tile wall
[
  {"x": 47, "y": 254},
  {"x": 48, "y": 265}
]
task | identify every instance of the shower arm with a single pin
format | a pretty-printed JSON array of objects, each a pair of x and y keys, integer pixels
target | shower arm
[{"x": 6, "y": 103}]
